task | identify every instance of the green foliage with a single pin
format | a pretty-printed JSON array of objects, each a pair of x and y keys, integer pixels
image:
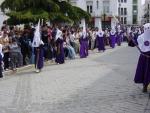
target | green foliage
[{"x": 24, "y": 11}]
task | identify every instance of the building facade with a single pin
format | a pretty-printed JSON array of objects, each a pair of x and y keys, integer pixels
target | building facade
[
  {"x": 130, "y": 12},
  {"x": 146, "y": 11},
  {"x": 110, "y": 12}
]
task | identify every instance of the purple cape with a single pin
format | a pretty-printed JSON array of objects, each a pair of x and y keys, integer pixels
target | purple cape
[
  {"x": 143, "y": 70},
  {"x": 40, "y": 55},
  {"x": 112, "y": 41},
  {"x": 60, "y": 56},
  {"x": 100, "y": 42},
  {"x": 83, "y": 48}
]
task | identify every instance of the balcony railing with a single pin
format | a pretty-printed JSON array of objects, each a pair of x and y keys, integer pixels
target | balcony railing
[{"x": 97, "y": 14}]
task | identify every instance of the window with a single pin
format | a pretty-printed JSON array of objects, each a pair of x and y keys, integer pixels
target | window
[
  {"x": 88, "y": 9},
  {"x": 134, "y": 19},
  {"x": 121, "y": 20},
  {"x": 122, "y": 1},
  {"x": 125, "y": 1},
  {"x": 121, "y": 11},
  {"x": 125, "y": 11},
  {"x": 135, "y": 10},
  {"x": 89, "y": 5},
  {"x": 106, "y": 6},
  {"x": 125, "y": 20},
  {"x": 134, "y": 1},
  {"x": 91, "y": 9}
]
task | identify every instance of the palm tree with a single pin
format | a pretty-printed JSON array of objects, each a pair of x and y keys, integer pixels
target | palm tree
[{"x": 24, "y": 11}]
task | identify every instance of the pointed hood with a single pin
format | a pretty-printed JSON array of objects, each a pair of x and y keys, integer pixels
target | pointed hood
[
  {"x": 84, "y": 30},
  {"x": 37, "y": 36},
  {"x": 144, "y": 39}
]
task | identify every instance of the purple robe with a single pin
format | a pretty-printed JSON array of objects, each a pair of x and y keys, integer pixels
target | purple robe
[
  {"x": 143, "y": 70},
  {"x": 83, "y": 47},
  {"x": 112, "y": 41},
  {"x": 100, "y": 43},
  {"x": 60, "y": 56},
  {"x": 119, "y": 39},
  {"x": 39, "y": 57},
  {"x": 1, "y": 67}
]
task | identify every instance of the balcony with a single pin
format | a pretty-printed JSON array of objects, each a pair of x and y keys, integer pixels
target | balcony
[{"x": 100, "y": 14}]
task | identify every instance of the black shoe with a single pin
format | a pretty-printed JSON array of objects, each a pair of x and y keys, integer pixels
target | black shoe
[{"x": 144, "y": 89}]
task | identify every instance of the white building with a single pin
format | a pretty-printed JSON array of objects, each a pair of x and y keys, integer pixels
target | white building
[
  {"x": 130, "y": 11},
  {"x": 146, "y": 11},
  {"x": 104, "y": 12},
  {"x": 107, "y": 12}
]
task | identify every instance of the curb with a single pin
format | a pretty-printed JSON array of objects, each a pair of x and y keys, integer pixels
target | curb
[
  {"x": 25, "y": 68},
  {"x": 21, "y": 69},
  {"x": 31, "y": 66}
]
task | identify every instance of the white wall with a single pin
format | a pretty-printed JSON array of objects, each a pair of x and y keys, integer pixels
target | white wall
[
  {"x": 2, "y": 16},
  {"x": 140, "y": 11},
  {"x": 114, "y": 7},
  {"x": 81, "y": 4},
  {"x": 129, "y": 6}
]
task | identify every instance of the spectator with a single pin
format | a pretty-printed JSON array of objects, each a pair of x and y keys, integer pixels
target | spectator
[{"x": 15, "y": 57}]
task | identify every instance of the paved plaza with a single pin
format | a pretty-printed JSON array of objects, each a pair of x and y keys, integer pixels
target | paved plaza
[{"x": 101, "y": 83}]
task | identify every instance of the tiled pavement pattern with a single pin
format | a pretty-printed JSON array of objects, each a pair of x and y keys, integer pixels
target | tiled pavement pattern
[{"x": 102, "y": 83}]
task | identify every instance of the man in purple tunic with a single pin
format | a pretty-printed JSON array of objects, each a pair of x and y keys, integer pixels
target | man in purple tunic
[
  {"x": 119, "y": 36},
  {"x": 83, "y": 44},
  {"x": 100, "y": 40},
  {"x": 112, "y": 38},
  {"x": 60, "y": 56},
  {"x": 38, "y": 49},
  {"x": 143, "y": 68},
  {"x": 39, "y": 58}
]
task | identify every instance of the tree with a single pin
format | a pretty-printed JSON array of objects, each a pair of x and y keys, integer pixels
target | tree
[{"x": 25, "y": 11}]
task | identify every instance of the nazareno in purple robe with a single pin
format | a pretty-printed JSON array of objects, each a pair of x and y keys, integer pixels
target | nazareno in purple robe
[
  {"x": 83, "y": 47},
  {"x": 100, "y": 42},
  {"x": 119, "y": 38},
  {"x": 60, "y": 56},
  {"x": 112, "y": 40},
  {"x": 39, "y": 57},
  {"x": 143, "y": 70}
]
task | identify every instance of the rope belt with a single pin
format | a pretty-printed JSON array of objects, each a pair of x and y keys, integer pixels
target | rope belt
[
  {"x": 145, "y": 55},
  {"x": 139, "y": 49}
]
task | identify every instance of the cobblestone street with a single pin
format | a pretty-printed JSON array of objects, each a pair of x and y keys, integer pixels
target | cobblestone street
[{"x": 101, "y": 83}]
